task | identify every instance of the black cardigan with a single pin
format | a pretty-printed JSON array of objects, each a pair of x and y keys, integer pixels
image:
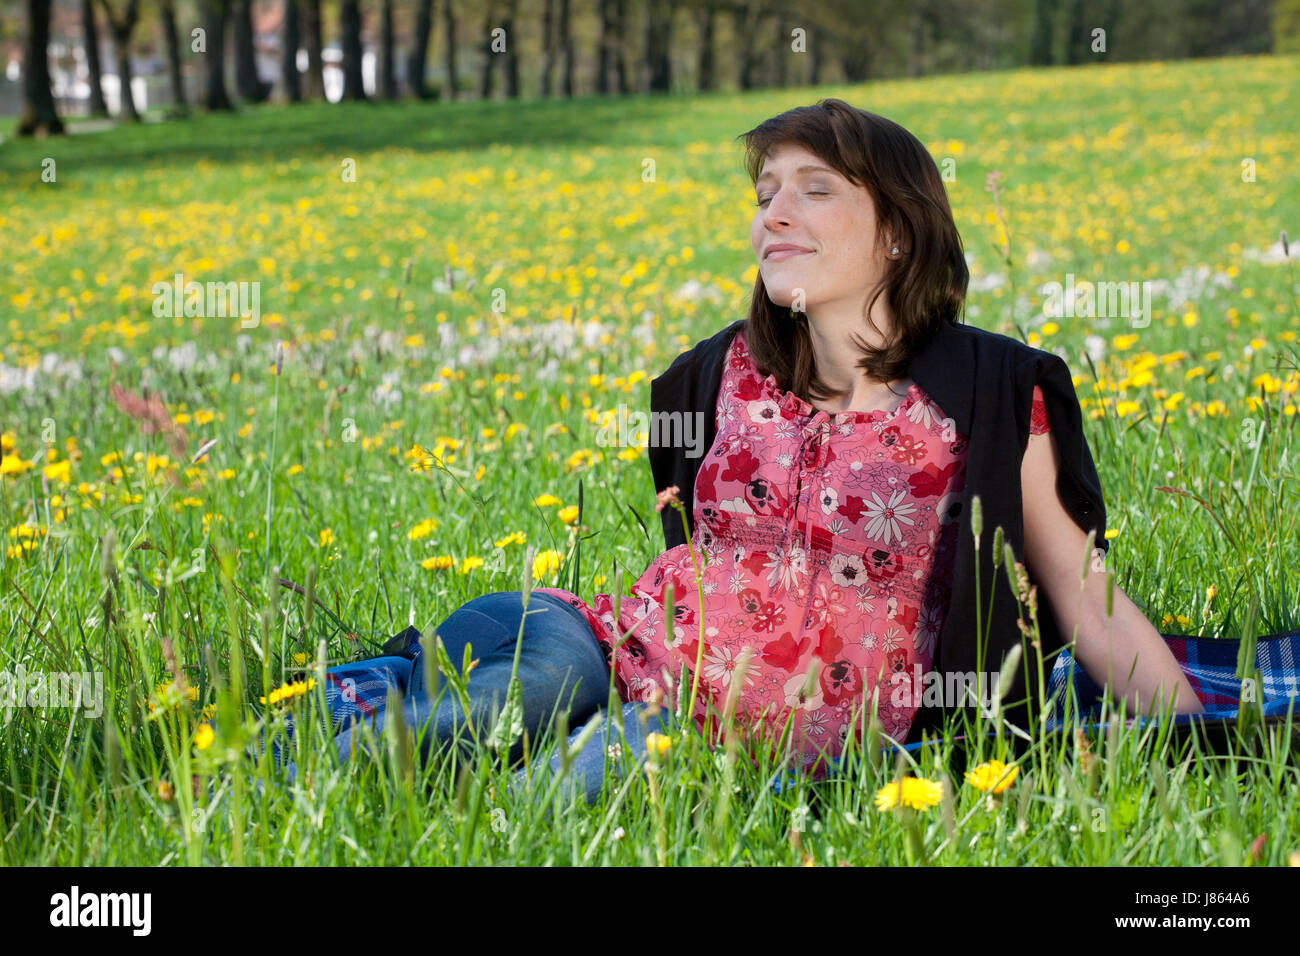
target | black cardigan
[{"x": 984, "y": 381}]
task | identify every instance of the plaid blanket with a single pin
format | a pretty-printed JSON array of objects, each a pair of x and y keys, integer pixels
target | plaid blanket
[{"x": 1211, "y": 665}]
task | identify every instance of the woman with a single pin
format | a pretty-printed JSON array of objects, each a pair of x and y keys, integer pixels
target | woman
[{"x": 828, "y": 506}]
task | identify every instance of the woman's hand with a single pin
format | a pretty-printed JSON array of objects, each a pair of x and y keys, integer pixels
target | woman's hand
[{"x": 1107, "y": 648}]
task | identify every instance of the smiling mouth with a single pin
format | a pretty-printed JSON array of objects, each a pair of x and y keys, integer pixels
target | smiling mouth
[{"x": 786, "y": 254}]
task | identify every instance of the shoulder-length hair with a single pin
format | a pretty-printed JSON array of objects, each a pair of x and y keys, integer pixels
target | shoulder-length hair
[{"x": 924, "y": 286}]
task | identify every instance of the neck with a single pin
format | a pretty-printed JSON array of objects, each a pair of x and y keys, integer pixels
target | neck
[{"x": 835, "y": 355}]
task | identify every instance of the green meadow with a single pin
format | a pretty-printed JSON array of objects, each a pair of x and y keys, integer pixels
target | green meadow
[{"x": 451, "y": 300}]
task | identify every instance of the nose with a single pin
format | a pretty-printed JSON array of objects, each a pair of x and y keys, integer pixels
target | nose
[{"x": 778, "y": 210}]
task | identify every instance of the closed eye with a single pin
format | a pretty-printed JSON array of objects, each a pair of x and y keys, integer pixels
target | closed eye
[{"x": 767, "y": 199}]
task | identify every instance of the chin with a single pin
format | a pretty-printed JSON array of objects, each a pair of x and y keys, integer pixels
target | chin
[{"x": 784, "y": 298}]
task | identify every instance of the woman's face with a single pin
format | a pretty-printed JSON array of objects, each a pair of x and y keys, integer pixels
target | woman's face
[{"x": 803, "y": 202}]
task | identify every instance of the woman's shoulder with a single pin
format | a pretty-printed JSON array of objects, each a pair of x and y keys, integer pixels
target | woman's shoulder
[{"x": 704, "y": 350}]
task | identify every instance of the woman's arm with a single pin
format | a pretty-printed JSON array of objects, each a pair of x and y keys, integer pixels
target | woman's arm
[{"x": 1106, "y": 648}]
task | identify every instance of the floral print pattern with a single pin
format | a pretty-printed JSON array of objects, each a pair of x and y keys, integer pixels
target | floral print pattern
[{"x": 826, "y": 541}]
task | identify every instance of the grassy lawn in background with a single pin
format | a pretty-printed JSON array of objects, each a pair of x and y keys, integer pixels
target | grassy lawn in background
[{"x": 460, "y": 293}]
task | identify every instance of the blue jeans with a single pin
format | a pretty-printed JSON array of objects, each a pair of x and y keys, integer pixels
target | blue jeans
[{"x": 561, "y": 668}]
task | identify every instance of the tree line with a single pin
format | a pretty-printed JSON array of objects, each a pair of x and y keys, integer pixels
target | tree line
[{"x": 652, "y": 46}]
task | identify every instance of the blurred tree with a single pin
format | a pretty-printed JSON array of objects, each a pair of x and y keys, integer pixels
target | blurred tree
[
  {"x": 1080, "y": 23},
  {"x": 350, "y": 36},
  {"x": 121, "y": 26},
  {"x": 548, "y": 45},
  {"x": 1040, "y": 44},
  {"x": 313, "y": 87},
  {"x": 90, "y": 37},
  {"x": 706, "y": 15},
  {"x": 566, "y": 49},
  {"x": 658, "y": 45},
  {"x": 781, "y": 53},
  {"x": 39, "y": 117},
  {"x": 172, "y": 48},
  {"x": 213, "y": 15},
  {"x": 449, "y": 48},
  {"x": 511, "y": 61},
  {"x": 290, "y": 40},
  {"x": 385, "y": 65},
  {"x": 417, "y": 64},
  {"x": 604, "y": 44},
  {"x": 248, "y": 84},
  {"x": 622, "y": 84},
  {"x": 749, "y": 21},
  {"x": 1286, "y": 26},
  {"x": 489, "y": 57}
]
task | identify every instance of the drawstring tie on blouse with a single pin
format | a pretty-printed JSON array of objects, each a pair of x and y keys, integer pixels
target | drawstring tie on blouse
[{"x": 814, "y": 445}]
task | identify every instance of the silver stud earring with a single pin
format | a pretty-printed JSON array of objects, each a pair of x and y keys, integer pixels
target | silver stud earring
[{"x": 894, "y": 250}]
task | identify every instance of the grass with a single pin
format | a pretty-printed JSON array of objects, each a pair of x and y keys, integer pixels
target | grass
[{"x": 454, "y": 323}]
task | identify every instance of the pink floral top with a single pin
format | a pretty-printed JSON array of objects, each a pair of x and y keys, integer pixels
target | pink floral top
[{"x": 827, "y": 541}]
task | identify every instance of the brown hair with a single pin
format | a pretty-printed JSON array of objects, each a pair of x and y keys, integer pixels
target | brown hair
[{"x": 925, "y": 286}]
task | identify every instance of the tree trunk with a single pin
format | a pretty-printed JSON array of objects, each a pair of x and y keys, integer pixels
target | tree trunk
[
  {"x": 121, "y": 29},
  {"x": 621, "y": 85},
  {"x": 350, "y": 30},
  {"x": 856, "y": 64},
  {"x": 548, "y": 45},
  {"x": 418, "y": 62},
  {"x": 658, "y": 44},
  {"x": 172, "y": 44},
  {"x": 247, "y": 83},
  {"x": 1040, "y": 49},
  {"x": 781, "y": 48},
  {"x": 39, "y": 117},
  {"x": 290, "y": 40},
  {"x": 489, "y": 58},
  {"x": 746, "y": 22},
  {"x": 386, "y": 67},
  {"x": 917, "y": 47},
  {"x": 604, "y": 17},
  {"x": 704, "y": 80},
  {"x": 314, "y": 83},
  {"x": 449, "y": 52},
  {"x": 122, "y": 50},
  {"x": 213, "y": 14},
  {"x": 566, "y": 47},
  {"x": 511, "y": 62},
  {"x": 1077, "y": 45},
  {"x": 91, "y": 34}
]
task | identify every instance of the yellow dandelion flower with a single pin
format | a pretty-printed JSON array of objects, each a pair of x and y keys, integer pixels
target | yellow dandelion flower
[
  {"x": 569, "y": 514},
  {"x": 546, "y": 563},
  {"x": 992, "y": 775},
  {"x": 423, "y": 529},
  {"x": 290, "y": 690},
  {"x": 13, "y": 465},
  {"x": 915, "y": 792},
  {"x": 546, "y": 500},
  {"x": 204, "y": 736},
  {"x": 326, "y": 537}
]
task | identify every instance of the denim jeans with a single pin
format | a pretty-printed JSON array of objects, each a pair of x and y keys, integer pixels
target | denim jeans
[{"x": 561, "y": 668}]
